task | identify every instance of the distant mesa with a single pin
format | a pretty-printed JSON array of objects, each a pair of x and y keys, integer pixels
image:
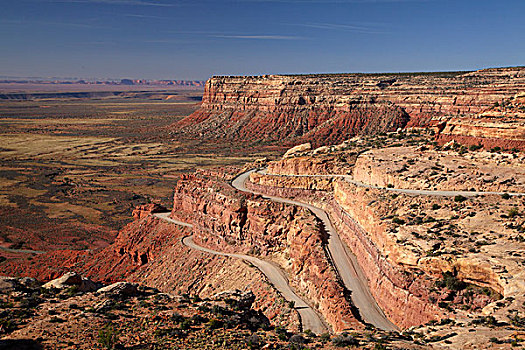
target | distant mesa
[
  {"x": 330, "y": 108},
  {"x": 123, "y": 82},
  {"x": 127, "y": 82}
]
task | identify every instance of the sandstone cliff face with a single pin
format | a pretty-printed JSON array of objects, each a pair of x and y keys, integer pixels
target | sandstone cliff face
[
  {"x": 326, "y": 109},
  {"x": 227, "y": 220},
  {"x": 489, "y": 132},
  {"x": 402, "y": 296},
  {"x": 405, "y": 243}
]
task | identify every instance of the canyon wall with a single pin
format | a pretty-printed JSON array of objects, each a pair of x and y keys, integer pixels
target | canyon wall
[
  {"x": 227, "y": 220},
  {"x": 402, "y": 295},
  {"x": 326, "y": 109}
]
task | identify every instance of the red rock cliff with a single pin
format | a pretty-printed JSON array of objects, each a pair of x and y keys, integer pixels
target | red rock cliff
[
  {"x": 326, "y": 109},
  {"x": 227, "y": 220}
]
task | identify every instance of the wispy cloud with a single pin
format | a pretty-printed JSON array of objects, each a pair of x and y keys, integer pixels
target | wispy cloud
[
  {"x": 120, "y": 2},
  {"x": 132, "y": 15},
  {"x": 258, "y": 37},
  {"x": 237, "y": 35},
  {"x": 51, "y": 23},
  {"x": 366, "y": 29}
]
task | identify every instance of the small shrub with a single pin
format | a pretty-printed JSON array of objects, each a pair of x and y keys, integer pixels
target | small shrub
[
  {"x": 505, "y": 196},
  {"x": 185, "y": 325},
  {"x": 72, "y": 291},
  {"x": 459, "y": 198},
  {"x": 254, "y": 341},
  {"x": 494, "y": 340},
  {"x": 214, "y": 324},
  {"x": 513, "y": 212},
  {"x": 325, "y": 337},
  {"x": 443, "y": 305},
  {"x": 451, "y": 282},
  {"x": 108, "y": 337},
  {"x": 344, "y": 340},
  {"x": 297, "y": 339},
  {"x": 435, "y": 206},
  {"x": 398, "y": 221},
  {"x": 475, "y": 147},
  {"x": 309, "y": 333}
]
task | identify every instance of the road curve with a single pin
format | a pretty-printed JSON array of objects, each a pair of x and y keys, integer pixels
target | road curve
[
  {"x": 402, "y": 190},
  {"x": 343, "y": 260},
  {"x": 309, "y": 318}
]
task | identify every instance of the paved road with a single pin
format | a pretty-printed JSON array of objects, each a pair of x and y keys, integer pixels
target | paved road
[
  {"x": 166, "y": 217},
  {"x": 343, "y": 260},
  {"x": 403, "y": 190},
  {"x": 309, "y": 318},
  {"x": 25, "y": 251}
]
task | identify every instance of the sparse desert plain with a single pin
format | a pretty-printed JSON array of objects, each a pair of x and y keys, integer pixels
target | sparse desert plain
[{"x": 73, "y": 169}]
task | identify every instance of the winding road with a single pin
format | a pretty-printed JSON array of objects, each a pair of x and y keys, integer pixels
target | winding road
[
  {"x": 402, "y": 190},
  {"x": 343, "y": 259},
  {"x": 309, "y": 318}
]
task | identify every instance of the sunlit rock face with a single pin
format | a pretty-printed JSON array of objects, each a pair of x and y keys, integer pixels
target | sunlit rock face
[{"x": 326, "y": 109}]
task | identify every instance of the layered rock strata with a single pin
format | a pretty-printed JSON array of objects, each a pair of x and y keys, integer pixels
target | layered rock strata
[
  {"x": 401, "y": 295},
  {"x": 326, "y": 109},
  {"x": 227, "y": 220},
  {"x": 149, "y": 251}
]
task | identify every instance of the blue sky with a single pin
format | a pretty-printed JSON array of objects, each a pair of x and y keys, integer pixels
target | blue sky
[{"x": 184, "y": 39}]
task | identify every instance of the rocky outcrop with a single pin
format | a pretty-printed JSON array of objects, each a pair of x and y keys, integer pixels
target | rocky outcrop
[
  {"x": 147, "y": 209},
  {"x": 489, "y": 132},
  {"x": 400, "y": 293},
  {"x": 421, "y": 168},
  {"x": 70, "y": 280},
  {"x": 229, "y": 221},
  {"x": 149, "y": 251},
  {"x": 326, "y": 109}
]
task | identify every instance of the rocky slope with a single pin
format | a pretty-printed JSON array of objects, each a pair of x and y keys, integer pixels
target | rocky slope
[
  {"x": 130, "y": 316},
  {"x": 150, "y": 251},
  {"x": 503, "y": 126},
  {"x": 226, "y": 220},
  {"x": 326, "y": 109}
]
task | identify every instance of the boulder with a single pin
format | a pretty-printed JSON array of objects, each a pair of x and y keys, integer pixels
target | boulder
[
  {"x": 8, "y": 284},
  {"x": 71, "y": 279},
  {"x": 148, "y": 209},
  {"x": 120, "y": 288},
  {"x": 298, "y": 149}
]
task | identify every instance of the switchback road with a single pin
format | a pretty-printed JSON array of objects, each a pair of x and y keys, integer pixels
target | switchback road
[
  {"x": 309, "y": 318},
  {"x": 343, "y": 260}
]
